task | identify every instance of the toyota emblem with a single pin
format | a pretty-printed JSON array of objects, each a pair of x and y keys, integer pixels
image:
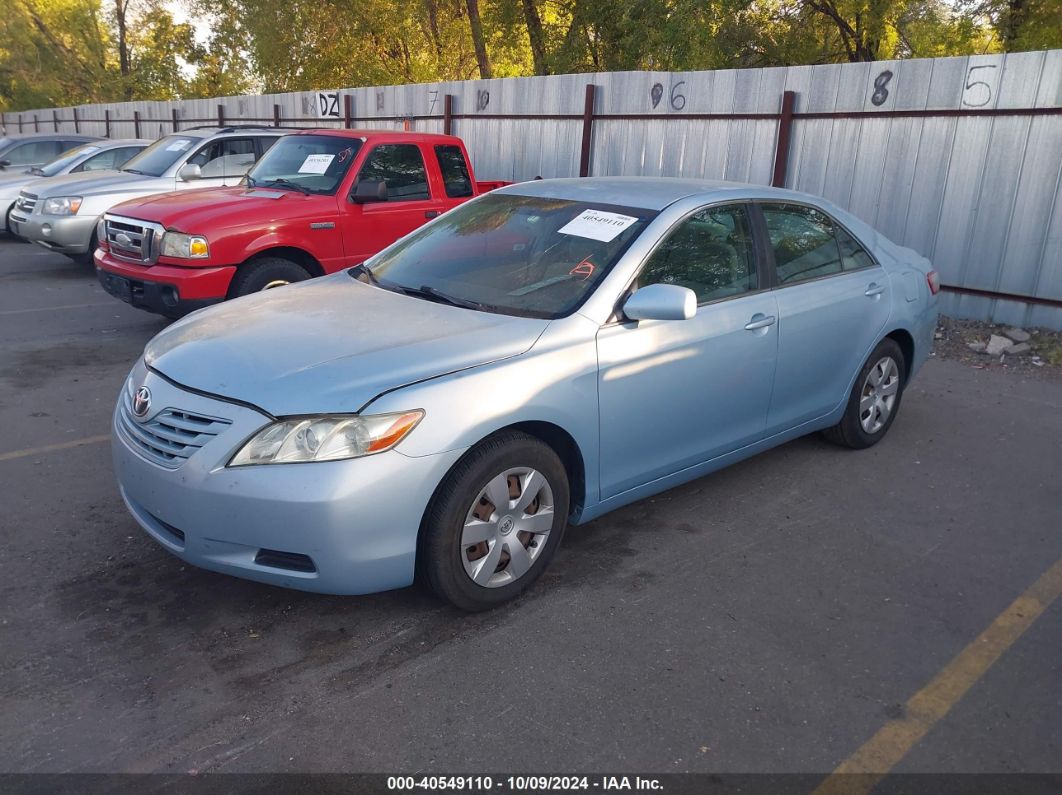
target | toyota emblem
[{"x": 141, "y": 401}]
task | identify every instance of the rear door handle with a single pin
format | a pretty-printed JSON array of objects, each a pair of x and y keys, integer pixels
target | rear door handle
[
  {"x": 760, "y": 320},
  {"x": 431, "y": 213},
  {"x": 874, "y": 289}
]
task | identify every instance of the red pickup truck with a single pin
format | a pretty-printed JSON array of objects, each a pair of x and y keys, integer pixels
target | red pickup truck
[{"x": 317, "y": 201}]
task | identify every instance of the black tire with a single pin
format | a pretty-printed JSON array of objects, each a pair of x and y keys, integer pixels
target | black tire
[
  {"x": 440, "y": 553},
  {"x": 260, "y": 274},
  {"x": 849, "y": 432}
]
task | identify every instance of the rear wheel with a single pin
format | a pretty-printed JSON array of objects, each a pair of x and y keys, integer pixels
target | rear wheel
[
  {"x": 265, "y": 274},
  {"x": 496, "y": 522},
  {"x": 875, "y": 399}
]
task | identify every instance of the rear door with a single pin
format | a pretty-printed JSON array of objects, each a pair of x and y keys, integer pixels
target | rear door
[
  {"x": 833, "y": 303},
  {"x": 368, "y": 228}
]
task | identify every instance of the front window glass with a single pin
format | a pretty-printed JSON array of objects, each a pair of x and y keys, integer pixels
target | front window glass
[
  {"x": 519, "y": 255},
  {"x": 226, "y": 157},
  {"x": 157, "y": 158},
  {"x": 711, "y": 253},
  {"x": 401, "y": 167},
  {"x": 311, "y": 163},
  {"x": 33, "y": 153},
  {"x": 64, "y": 160},
  {"x": 803, "y": 241}
]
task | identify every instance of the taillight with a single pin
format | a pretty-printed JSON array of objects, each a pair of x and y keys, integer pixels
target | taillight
[{"x": 933, "y": 280}]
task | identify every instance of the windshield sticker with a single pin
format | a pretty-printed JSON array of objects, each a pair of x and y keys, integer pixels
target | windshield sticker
[
  {"x": 342, "y": 156},
  {"x": 597, "y": 225},
  {"x": 316, "y": 164},
  {"x": 179, "y": 145},
  {"x": 584, "y": 269}
]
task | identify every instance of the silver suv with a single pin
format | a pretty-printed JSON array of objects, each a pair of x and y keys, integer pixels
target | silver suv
[{"x": 60, "y": 213}]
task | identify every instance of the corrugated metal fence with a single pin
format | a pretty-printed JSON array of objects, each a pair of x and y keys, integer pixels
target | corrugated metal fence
[{"x": 958, "y": 158}]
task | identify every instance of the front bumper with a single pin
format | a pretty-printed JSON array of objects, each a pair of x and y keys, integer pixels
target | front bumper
[
  {"x": 164, "y": 289},
  {"x": 355, "y": 522},
  {"x": 67, "y": 234}
]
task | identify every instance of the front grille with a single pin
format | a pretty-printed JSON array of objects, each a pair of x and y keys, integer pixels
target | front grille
[
  {"x": 132, "y": 240},
  {"x": 26, "y": 202},
  {"x": 171, "y": 436}
]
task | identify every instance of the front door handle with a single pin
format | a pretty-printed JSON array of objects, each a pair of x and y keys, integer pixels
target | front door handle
[
  {"x": 760, "y": 320},
  {"x": 431, "y": 213},
  {"x": 874, "y": 289}
]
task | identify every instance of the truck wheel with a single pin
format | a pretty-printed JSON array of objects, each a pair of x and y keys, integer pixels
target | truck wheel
[{"x": 265, "y": 274}]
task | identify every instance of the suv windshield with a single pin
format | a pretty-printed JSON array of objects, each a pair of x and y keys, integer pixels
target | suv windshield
[
  {"x": 65, "y": 159},
  {"x": 308, "y": 163},
  {"x": 162, "y": 154},
  {"x": 518, "y": 255}
]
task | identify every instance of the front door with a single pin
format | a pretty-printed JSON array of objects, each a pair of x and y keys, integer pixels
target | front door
[
  {"x": 222, "y": 162},
  {"x": 675, "y": 393},
  {"x": 370, "y": 227}
]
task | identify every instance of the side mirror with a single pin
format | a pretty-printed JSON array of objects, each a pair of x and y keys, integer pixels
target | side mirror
[
  {"x": 661, "y": 302},
  {"x": 190, "y": 172},
  {"x": 5, "y": 163},
  {"x": 368, "y": 191}
]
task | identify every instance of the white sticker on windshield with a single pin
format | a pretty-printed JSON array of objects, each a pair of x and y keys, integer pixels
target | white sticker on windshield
[
  {"x": 597, "y": 225},
  {"x": 316, "y": 164},
  {"x": 179, "y": 145}
]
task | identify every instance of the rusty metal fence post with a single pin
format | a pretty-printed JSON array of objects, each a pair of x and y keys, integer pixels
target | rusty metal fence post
[
  {"x": 588, "y": 131},
  {"x": 136, "y": 123},
  {"x": 785, "y": 129},
  {"x": 348, "y": 111},
  {"x": 448, "y": 114}
]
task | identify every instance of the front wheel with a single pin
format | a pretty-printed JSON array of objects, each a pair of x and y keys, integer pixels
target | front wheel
[
  {"x": 875, "y": 399},
  {"x": 265, "y": 274},
  {"x": 495, "y": 522}
]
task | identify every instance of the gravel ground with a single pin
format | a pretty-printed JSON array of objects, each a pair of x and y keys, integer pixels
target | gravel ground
[{"x": 1043, "y": 360}]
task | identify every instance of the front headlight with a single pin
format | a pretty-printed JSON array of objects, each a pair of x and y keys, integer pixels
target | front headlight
[
  {"x": 325, "y": 438},
  {"x": 175, "y": 244},
  {"x": 62, "y": 205}
]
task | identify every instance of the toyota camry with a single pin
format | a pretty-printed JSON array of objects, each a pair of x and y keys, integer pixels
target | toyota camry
[{"x": 530, "y": 360}]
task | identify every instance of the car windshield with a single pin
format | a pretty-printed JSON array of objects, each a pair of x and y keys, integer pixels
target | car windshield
[
  {"x": 308, "y": 163},
  {"x": 162, "y": 154},
  {"x": 519, "y": 255},
  {"x": 67, "y": 158}
]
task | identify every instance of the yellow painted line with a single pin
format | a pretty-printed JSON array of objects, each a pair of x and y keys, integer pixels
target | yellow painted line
[
  {"x": 48, "y": 448},
  {"x": 860, "y": 772},
  {"x": 51, "y": 308}
]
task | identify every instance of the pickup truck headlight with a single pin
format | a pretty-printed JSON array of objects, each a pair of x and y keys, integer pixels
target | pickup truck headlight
[
  {"x": 62, "y": 205},
  {"x": 175, "y": 244},
  {"x": 325, "y": 438}
]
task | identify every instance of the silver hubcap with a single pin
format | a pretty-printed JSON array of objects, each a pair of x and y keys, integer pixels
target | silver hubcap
[
  {"x": 879, "y": 395},
  {"x": 507, "y": 526}
]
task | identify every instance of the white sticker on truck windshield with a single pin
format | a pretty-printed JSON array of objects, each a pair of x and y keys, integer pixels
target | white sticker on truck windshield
[
  {"x": 597, "y": 225},
  {"x": 179, "y": 145},
  {"x": 316, "y": 164}
]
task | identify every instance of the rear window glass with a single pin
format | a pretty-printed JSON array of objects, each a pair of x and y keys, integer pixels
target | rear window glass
[{"x": 454, "y": 171}]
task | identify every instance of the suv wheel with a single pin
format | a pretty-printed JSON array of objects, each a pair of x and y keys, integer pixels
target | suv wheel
[
  {"x": 496, "y": 521},
  {"x": 265, "y": 274}
]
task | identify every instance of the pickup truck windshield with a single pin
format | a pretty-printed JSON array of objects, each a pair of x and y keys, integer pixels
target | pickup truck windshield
[
  {"x": 65, "y": 159},
  {"x": 516, "y": 255},
  {"x": 306, "y": 163},
  {"x": 162, "y": 154}
]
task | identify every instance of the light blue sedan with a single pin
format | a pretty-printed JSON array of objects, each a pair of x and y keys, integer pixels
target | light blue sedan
[{"x": 532, "y": 359}]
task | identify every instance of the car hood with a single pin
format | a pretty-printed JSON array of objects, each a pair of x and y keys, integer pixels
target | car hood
[
  {"x": 207, "y": 209},
  {"x": 96, "y": 183},
  {"x": 330, "y": 345}
]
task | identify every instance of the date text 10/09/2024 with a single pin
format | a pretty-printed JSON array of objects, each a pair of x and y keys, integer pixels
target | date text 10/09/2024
[{"x": 523, "y": 783}]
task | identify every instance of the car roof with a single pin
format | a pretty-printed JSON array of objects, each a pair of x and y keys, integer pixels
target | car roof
[
  {"x": 397, "y": 135},
  {"x": 49, "y": 136},
  {"x": 647, "y": 193}
]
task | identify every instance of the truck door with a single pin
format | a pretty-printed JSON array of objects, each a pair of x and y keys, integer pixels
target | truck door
[{"x": 368, "y": 228}]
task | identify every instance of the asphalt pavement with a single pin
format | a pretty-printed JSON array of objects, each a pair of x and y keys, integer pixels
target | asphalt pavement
[{"x": 772, "y": 617}]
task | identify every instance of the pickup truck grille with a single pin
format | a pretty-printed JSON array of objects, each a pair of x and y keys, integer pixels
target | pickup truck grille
[
  {"x": 171, "y": 436},
  {"x": 26, "y": 202},
  {"x": 132, "y": 240}
]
